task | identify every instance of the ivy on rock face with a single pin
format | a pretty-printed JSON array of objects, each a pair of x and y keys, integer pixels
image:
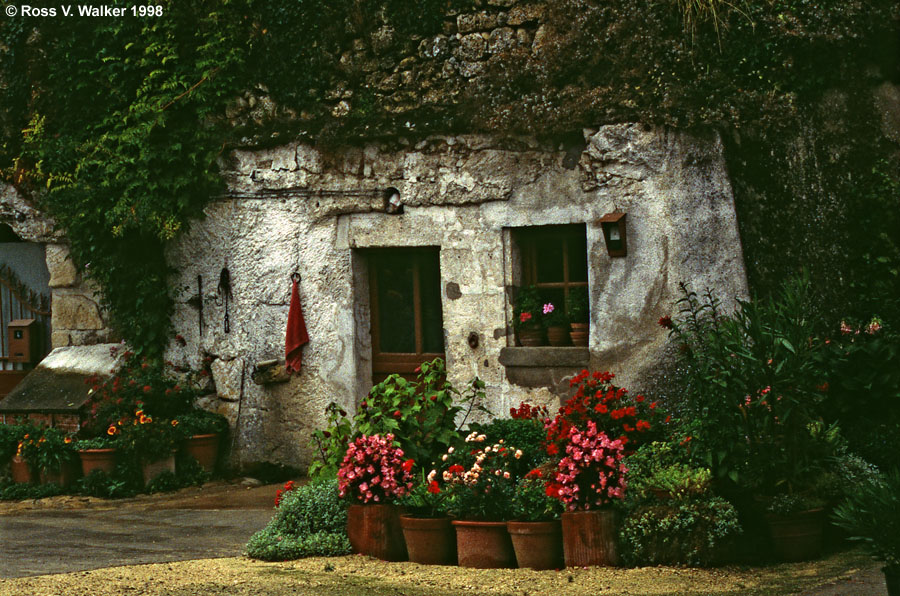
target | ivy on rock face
[
  {"x": 123, "y": 141},
  {"x": 116, "y": 126}
]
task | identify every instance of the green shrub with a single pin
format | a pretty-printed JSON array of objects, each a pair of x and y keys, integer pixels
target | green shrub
[
  {"x": 870, "y": 515},
  {"x": 107, "y": 486},
  {"x": 270, "y": 545},
  {"x": 310, "y": 521},
  {"x": 679, "y": 532},
  {"x": 526, "y": 434},
  {"x": 10, "y": 435},
  {"x": 10, "y": 491},
  {"x": 421, "y": 415}
]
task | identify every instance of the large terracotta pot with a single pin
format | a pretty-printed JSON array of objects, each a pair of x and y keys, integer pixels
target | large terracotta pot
[
  {"x": 589, "y": 538},
  {"x": 64, "y": 476},
  {"x": 429, "y": 540},
  {"x": 797, "y": 537},
  {"x": 375, "y": 530},
  {"x": 484, "y": 545},
  {"x": 97, "y": 459},
  {"x": 579, "y": 333},
  {"x": 538, "y": 545},
  {"x": 531, "y": 337},
  {"x": 153, "y": 469},
  {"x": 557, "y": 336},
  {"x": 204, "y": 449},
  {"x": 21, "y": 471}
]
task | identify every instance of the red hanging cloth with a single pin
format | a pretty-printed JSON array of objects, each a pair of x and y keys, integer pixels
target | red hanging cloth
[{"x": 296, "y": 335}]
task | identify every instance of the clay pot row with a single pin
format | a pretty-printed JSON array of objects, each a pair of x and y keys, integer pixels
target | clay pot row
[
  {"x": 583, "y": 538},
  {"x": 555, "y": 336}
]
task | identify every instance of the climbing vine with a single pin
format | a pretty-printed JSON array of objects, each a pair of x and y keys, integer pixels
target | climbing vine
[{"x": 117, "y": 127}]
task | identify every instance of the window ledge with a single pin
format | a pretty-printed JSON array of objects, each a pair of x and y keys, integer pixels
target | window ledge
[
  {"x": 545, "y": 366},
  {"x": 545, "y": 356}
]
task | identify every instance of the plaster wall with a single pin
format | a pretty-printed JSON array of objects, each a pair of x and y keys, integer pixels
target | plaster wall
[{"x": 294, "y": 208}]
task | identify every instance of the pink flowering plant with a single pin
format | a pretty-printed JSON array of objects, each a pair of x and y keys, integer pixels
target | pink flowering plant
[
  {"x": 591, "y": 473},
  {"x": 481, "y": 479},
  {"x": 554, "y": 316},
  {"x": 374, "y": 471}
]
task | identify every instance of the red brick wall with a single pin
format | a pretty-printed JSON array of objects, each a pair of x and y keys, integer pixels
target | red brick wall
[{"x": 66, "y": 422}]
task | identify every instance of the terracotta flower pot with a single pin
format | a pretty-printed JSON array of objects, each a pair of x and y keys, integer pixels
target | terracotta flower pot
[
  {"x": 21, "y": 471},
  {"x": 579, "y": 333},
  {"x": 531, "y": 337},
  {"x": 204, "y": 449},
  {"x": 589, "y": 538},
  {"x": 557, "y": 336},
  {"x": 64, "y": 477},
  {"x": 797, "y": 537},
  {"x": 97, "y": 459},
  {"x": 429, "y": 540},
  {"x": 538, "y": 545},
  {"x": 375, "y": 530},
  {"x": 484, "y": 545},
  {"x": 153, "y": 469}
]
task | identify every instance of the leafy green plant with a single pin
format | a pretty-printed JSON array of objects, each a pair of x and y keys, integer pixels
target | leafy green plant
[
  {"x": 481, "y": 478},
  {"x": 10, "y": 436},
  {"x": 527, "y": 434},
  {"x": 100, "y": 442},
  {"x": 147, "y": 439},
  {"x": 578, "y": 305},
  {"x": 107, "y": 486},
  {"x": 421, "y": 416},
  {"x": 553, "y": 316},
  {"x": 310, "y": 521},
  {"x": 53, "y": 450},
  {"x": 751, "y": 379},
  {"x": 201, "y": 422},
  {"x": 527, "y": 308},
  {"x": 681, "y": 532},
  {"x": 870, "y": 516},
  {"x": 530, "y": 501},
  {"x": 426, "y": 498}
]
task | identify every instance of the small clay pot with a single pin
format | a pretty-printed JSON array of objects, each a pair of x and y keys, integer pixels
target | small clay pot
[
  {"x": 538, "y": 545},
  {"x": 429, "y": 540},
  {"x": 484, "y": 545}
]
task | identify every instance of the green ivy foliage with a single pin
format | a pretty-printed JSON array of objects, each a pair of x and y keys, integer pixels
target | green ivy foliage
[{"x": 116, "y": 126}]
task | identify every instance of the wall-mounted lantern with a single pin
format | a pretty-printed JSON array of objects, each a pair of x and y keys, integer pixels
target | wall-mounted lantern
[{"x": 613, "y": 225}]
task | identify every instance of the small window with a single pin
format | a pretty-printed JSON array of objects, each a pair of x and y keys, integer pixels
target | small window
[{"x": 553, "y": 259}]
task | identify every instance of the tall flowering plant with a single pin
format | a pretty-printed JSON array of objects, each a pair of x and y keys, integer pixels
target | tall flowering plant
[
  {"x": 611, "y": 409},
  {"x": 591, "y": 473},
  {"x": 528, "y": 309},
  {"x": 374, "y": 471}
]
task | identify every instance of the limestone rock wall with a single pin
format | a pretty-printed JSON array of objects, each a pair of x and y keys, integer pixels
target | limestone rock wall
[{"x": 293, "y": 208}]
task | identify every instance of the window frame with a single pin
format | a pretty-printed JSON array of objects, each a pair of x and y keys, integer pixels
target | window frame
[{"x": 529, "y": 238}]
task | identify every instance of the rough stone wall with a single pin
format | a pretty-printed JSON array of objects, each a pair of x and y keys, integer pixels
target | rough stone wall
[
  {"x": 296, "y": 208},
  {"x": 77, "y": 318}
]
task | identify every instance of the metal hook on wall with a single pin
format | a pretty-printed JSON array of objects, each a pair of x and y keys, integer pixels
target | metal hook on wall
[{"x": 295, "y": 277}]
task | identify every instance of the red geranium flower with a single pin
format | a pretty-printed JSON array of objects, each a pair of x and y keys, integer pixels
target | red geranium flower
[
  {"x": 433, "y": 488},
  {"x": 408, "y": 464}
]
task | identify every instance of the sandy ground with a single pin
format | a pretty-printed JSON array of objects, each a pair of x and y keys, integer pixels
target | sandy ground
[{"x": 841, "y": 574}]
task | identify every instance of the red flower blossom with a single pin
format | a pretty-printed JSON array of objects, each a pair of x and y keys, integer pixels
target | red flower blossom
[
  {"x": 666, "y": 322},
  {"x": 147, "y": 389},
  {"x": 456, "y": 469},
  {"x": 524, "y": 317},
  {"x": 408, "y": 465},
  {"x": 433, "y": 488}
]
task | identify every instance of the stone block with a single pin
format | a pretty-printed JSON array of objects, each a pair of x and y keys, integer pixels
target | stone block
[
  {"x": 471, "y": 47},
  {"x": 501, "y": 40},
  {"x": 479, "y": 21},
  {"x": 228, "y": 376},
  {"x": 525, "y": 13},
  {"x": 60, "y": 265},
  {"x": 74, "y": 311}
]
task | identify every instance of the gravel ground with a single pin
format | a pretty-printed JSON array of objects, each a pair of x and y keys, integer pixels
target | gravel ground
[{"x": 362, "y": 576}]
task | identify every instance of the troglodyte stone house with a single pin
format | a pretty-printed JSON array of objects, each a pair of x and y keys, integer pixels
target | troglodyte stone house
[{"x": 410, "y": 251}]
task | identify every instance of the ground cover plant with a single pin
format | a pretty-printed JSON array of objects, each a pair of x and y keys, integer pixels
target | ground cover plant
[{"x": 310, "y": 520}]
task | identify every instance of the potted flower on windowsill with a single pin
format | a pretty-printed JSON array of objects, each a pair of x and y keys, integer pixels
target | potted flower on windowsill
[
  {"x": 578, "y": 309},
  {"x": 556, "y": 323},
  {"x": 429, "y": 535},
  {"x": 481, "y": 486},
  {"x": 373, "y": 475},
  {"x": 536, "y": 531},
  {"x": 202, "y": 432},
  {"x": 527, "y": 312}
]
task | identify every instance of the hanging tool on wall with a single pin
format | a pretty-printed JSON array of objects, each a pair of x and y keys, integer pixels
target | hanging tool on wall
[
  {"x": 223, "y": 295},
  {"x": 197, "y": 302}
]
